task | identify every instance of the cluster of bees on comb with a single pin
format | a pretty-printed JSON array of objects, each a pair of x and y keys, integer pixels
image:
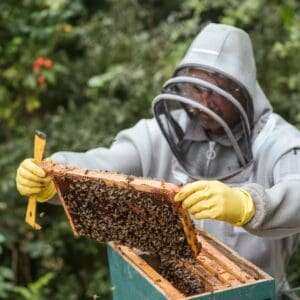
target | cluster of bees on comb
[{"x": 146, "y": 220}]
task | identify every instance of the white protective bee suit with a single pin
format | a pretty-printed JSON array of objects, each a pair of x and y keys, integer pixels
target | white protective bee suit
[{"x": 272, "y": 177}]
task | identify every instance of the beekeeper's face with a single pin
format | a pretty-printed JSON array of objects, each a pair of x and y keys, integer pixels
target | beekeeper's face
[{"x": 211, "y": 100}]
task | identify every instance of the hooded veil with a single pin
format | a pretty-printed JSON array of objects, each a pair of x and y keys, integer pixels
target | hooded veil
[{"x": 222, "y": 52}]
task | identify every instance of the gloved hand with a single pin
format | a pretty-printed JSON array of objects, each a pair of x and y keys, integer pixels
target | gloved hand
[
  {"x": 32, "y": 180},
  {"x": 216, "y": 200}
]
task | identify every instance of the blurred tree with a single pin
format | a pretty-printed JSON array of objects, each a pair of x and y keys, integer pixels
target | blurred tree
[{"x": 63, "y": 60}]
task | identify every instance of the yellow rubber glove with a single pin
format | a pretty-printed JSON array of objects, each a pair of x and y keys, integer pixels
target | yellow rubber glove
[
  {"x": 216, "y": 200},
  {"x": 32, "y": 180}
]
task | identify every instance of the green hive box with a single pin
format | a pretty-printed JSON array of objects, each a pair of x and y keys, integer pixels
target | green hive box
[{"x": 133, "y": 277}]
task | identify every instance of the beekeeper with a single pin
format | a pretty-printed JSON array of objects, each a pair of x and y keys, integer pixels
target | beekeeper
[{"x": 214, "y": 132}]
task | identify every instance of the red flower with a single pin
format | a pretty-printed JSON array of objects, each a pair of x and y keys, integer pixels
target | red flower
[
  {"x": 42, "y": 62},
  {"x": 41, "y": 80},
  {"x": 36, "y": 66},
  {"x": 48, "y": 63}
]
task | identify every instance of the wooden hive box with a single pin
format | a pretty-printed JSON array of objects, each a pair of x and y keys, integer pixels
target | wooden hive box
[
  {"x": 156, "y": 253},
  {"x": 134, "y": 276}
]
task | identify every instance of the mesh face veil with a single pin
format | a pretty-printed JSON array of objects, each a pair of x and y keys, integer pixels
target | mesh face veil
[{"x": 183, "y": 95}]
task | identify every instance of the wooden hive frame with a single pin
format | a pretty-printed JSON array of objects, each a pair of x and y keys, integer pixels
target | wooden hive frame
[{"x": 117, "y": 180}]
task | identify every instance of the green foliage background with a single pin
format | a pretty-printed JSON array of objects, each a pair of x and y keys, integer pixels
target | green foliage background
[{"x": 110, "y": 60}]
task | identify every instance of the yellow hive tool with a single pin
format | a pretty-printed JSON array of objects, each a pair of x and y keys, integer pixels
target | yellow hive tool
[{"x": 39, "y": 148}]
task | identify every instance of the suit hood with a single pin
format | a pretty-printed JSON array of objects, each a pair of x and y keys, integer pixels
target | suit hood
[{"x": 228, "y": 50}]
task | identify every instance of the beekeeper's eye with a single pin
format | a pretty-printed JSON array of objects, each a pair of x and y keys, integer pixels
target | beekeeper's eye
[{"x": 236, "y": 90}]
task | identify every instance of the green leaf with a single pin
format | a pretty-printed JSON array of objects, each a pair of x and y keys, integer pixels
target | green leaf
[
  {"x": 32, "y": 103},
  {"x": 38, "y": 285},
  {"x": 10, "y": 73},
  {"x": 6, "y": 273},
  {"x": 50, "y": 76},
  {"x": 30, "y": 82},
  {"x": 2, "y": 238},
  {"x": 99, "y": 81},
  {"x": 287, "y": 14},
  {"x": 24, "y": 292}
]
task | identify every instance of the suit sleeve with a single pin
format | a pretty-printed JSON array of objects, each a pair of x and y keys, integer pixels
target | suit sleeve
[
  {"x": 278, "y": 208},
  {"x": 130, "y": 153}
]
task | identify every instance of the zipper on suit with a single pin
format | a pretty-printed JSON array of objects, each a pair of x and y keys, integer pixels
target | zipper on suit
[{"x": 210, "y": 155}]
